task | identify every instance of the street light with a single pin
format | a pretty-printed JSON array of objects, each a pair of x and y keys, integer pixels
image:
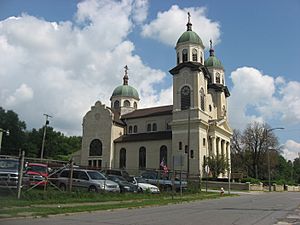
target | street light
[
  {"x": 1, "y": 133},
  {"x": 268, "y": 153}
]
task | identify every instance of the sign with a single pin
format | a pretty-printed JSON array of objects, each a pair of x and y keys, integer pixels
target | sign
[{"x": 207, "y": 169}]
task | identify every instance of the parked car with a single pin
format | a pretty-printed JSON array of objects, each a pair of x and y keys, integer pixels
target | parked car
[
  {"x": 38, "y": 173},
  {"x": 88, "y": 180},
  {"x": 124, "y": 185},
  {"x": 163, "y": 180},
  {"x": 144, "y": 186},
  {"x": 9, "y": 174},
  {"x": 117, "y": 172}
]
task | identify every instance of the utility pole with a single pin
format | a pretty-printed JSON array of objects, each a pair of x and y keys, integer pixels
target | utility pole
[
  {"x": 1, "y": 133},
  {"x": 188, "y": 143},
  {"x": 44, "y": 135}
]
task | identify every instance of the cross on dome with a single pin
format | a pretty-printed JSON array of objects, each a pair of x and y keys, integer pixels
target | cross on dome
[
  {"x": 189, "y": 24},
  {"x": 125, "y": 78}
]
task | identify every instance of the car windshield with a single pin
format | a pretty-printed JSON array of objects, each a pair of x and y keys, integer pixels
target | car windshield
[
  {"x": 36, "y": 168},
  {"x": 94, "y": 175},
  {"x": 140, "y": 180},
  {"x": 9, "y": 164}
]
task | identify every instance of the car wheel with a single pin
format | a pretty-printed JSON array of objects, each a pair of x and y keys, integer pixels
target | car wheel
[
  {"x": 93, "y": 189},
  {"x": 62, "y": 187}
]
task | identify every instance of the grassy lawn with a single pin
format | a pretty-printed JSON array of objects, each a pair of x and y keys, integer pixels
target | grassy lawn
[{"x": 37, "y": 203}]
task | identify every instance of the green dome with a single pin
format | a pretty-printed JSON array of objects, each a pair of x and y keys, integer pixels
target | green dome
[
  {"x": 212, "y": 61},
  {"x": 191, "y": 37},
  {"x": 126, "y": 91}
]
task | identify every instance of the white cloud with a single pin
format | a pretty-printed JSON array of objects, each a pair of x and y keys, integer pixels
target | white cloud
[
  {"x": 164, "y": 30},
  {"x": 62, "y": 68},
  {"x": 256, "y": 96},
  {"x": 291, "y": 150},
  {"x": 21, "y": 95}
]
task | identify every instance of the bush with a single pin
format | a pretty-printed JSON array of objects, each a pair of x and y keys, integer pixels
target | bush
[{"x": 251, "y": 180}]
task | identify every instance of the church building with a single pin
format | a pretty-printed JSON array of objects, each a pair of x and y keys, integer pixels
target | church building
[{"x": 181, "y": 136}]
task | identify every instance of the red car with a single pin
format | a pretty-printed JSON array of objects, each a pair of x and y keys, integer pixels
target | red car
[{"x": 38, "y": 173}]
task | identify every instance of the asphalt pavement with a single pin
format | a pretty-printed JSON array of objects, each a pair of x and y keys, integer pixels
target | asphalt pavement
[{"x": 259, "y": 208}]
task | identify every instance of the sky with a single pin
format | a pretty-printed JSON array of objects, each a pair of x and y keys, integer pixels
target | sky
[{"x": 60, "y": 57}]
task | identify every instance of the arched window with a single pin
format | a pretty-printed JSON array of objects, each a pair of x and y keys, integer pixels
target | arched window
[
  {"x": 178, "y": 60},
  {"x": 126, "y": 103},
  {"x": 185, "y": 97},
  {"x": 135, "y": 105},
  {"x": 149, "y": 127},
  {"x": 180, "y": 145},
  {"x": 202, "y": 99},
  {"x": 184, "y": 55},
  {"x": 218, "y": 78},
  {"x": 142, "y": 158},
  {"x": 154, "y": 127},
  {"x": 116, "y": 104},
  {"x": 96, "y": 148},
  {"x": 130, "y": 130},
  {"x": 195, "y": 55},
  {"x": 135, "y": 129},
  {"x": 163, "y": 155},
  {"x": 122, "y": 163}
]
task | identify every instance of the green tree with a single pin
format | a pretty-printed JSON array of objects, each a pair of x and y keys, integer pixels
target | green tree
[
  {"x": 12, "y": 143},
  {"x": 296, "y": 170},
  {"x": 217, "y": 165}
]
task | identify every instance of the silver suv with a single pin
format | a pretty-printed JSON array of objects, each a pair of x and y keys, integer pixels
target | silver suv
[
  {"x": 9, "y": 173},
  {"x": 88, "y": 180}
]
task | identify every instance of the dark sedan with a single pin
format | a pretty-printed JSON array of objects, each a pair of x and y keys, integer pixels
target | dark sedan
[{"x": 125, "y": 186}]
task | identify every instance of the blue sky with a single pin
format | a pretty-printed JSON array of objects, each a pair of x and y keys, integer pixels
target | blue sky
[{"x": 58, "y": 54}]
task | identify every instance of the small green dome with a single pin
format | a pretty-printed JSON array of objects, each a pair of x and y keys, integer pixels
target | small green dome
[
  {"x": 126, "y": 91},
  {"x": 212, "y": 61},
  {"x": 191, "y": 37}
]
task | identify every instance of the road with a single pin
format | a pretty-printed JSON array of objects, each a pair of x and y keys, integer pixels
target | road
[{"x": 257, "y": 208}]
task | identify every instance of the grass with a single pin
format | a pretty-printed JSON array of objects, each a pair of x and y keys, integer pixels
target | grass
[{"x": 37, "y": 203}]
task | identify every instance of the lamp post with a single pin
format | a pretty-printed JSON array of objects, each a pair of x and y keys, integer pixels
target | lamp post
[
  {"x": 1, "y": 134},
  {"x": 268, "y": 154}
]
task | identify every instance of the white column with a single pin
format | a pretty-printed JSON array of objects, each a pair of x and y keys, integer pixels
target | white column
[{"x": 213, "y": 146}]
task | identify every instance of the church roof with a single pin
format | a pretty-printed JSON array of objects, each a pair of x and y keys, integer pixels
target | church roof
[
  {"x": 147, "y": 112},
  {"x": 160, "y": 135}
]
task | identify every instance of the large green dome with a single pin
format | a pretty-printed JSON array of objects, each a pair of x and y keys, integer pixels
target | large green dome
[
  {"x": 191, "y": 37},
  {"x": 125, "y": 91}
]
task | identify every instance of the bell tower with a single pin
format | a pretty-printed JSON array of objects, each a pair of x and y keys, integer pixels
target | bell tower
[{"x": 190, "y": 88}]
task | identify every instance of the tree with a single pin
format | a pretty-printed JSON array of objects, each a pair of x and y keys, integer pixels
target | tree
[
  {"x": 217, "y": 165},
  {"x": 296, "y": 170},
  {"x": 12, "y": 144},
  {"x": 57, "y": 145},
  {"x": 249, "y": 150}
]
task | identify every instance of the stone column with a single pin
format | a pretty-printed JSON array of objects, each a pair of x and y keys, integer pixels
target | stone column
[
  {"x": 219, "y": 147},
  {"x": 213, "y": 146}
]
